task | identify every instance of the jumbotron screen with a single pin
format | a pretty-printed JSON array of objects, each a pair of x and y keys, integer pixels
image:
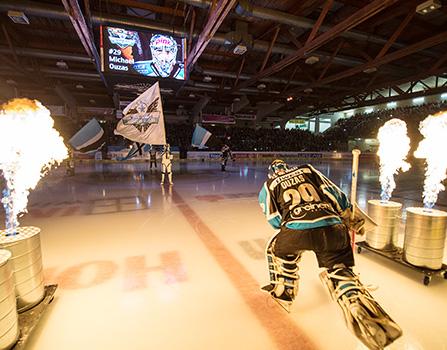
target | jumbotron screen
[{"x": 147, "y": 54}]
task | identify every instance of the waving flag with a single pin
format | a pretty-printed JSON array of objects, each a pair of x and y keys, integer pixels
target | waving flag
[
  {"x": 200, "y": 137},
  {"x": 87, "y": 135},
  {"x": 143, "y": 119}
]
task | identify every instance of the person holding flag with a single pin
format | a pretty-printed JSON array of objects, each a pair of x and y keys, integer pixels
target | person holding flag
[
  {"x": 88, "y": 140},
  {"x": 152, "y": 157},
  {"x": 143, "y": 122}
]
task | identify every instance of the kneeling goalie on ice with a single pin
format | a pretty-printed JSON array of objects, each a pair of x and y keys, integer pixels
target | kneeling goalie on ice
[{"x": 312, "y": 213}]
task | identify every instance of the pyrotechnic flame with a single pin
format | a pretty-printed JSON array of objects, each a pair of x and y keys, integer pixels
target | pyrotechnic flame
[
  {"x": 434, "y": 149},
  {"x": 29, "y": 146},
  {"x": 393, "y": 150}
]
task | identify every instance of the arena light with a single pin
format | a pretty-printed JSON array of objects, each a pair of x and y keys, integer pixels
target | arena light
[
  {"x": 290, "y": 98},
  {"x": 312, "y": 60},
  {"x": 61, "y": 64},
  {"x": 428, "y": 6},
  {"x": 418, "y": 100},
  {"x": 18, "y": 17},
  {"x": 370, "y": 70},
  {"x": 240, "y": 49},
  {"x": 391, "y": 104},
  {"x": 444, "y": 96}
]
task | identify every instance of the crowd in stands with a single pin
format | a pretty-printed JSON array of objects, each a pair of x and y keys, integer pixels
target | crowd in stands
[
  {"x": 367, "y": 125},
  {"x": 248, "y": 139},
  {"x": 334, "y": 139}
]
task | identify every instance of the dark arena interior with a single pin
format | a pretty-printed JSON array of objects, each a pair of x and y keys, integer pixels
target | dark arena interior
[{"x": 128, "y": 263}]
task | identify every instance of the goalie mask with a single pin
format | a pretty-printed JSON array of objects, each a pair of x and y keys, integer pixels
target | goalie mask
[{"x": 164, "y": 53}]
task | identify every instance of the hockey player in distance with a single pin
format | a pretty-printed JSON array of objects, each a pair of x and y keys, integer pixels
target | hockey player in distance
[
  {"x": 166, "y": 164},
  {"x": 226, "y": 154},
  {"x": 69, "y": 162},
  {"x": 152, "y": 157},
  {"x": 312, "y": 213}
]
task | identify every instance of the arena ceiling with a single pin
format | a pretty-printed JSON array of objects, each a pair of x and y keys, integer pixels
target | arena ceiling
[{"x": 301, "y": 58}]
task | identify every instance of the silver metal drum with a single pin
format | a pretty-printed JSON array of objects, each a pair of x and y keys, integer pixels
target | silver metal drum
[
  {"x": 9, "y": 327},
  {"x": 425, "y": 237},
  {"x": 386, "y": 214},
  {"x": 26, "y": 264}
]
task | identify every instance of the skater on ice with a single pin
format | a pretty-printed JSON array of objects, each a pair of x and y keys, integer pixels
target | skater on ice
[
  {"x": 69, "y": 163},
  {"x": 226, "y": 154},
  {"x": 311, "y": 213}
]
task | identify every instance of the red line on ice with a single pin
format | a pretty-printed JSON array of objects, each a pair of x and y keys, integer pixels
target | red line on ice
[{"x": 276, "y": 322}]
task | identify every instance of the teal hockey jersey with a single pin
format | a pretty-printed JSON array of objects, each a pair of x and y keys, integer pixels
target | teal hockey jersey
[{"x": 302, "y": 198}]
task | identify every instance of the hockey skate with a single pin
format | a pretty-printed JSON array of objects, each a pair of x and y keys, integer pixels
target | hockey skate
[
  {"x": 363, "y": 315},
  {"x": 284, "y": 300}
]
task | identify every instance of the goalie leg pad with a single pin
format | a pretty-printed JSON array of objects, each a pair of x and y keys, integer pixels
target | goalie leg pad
[
  {"x": 283, "y": 273},
  {"x": 363, "y": 315}
]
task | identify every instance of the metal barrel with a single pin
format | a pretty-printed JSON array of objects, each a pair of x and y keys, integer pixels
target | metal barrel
[
  {"x": 9, "y": 326},
  {"x": 425, "y": 237},
  {"x": 386, "y": 214},
  {"x": 26, "y": 264}
]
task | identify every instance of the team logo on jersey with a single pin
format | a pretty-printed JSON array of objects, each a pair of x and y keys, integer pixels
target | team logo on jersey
[
  {"x": 142, "y": 115},
  {"x": 297, "y": 213},
  {"x": 301, "y": 211}
]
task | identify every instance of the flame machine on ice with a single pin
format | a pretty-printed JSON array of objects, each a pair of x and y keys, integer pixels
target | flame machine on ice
[
  {"x": 393, "y": 151},
  {"x": 425, "y": 229},
  {"x": 29, "y": 145}
]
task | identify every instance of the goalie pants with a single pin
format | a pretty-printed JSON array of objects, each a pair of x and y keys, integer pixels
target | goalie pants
[{"x": 331, "y": 244}]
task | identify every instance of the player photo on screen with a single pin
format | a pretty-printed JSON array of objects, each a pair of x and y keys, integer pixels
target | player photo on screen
[{"x": 147, "y": 54}]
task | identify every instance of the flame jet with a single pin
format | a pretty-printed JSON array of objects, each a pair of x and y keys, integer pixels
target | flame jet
[
  {"x": 433, "y": 148},
  {"x": 29, "y": 146},
  {"x": 393, "y": 151}
]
